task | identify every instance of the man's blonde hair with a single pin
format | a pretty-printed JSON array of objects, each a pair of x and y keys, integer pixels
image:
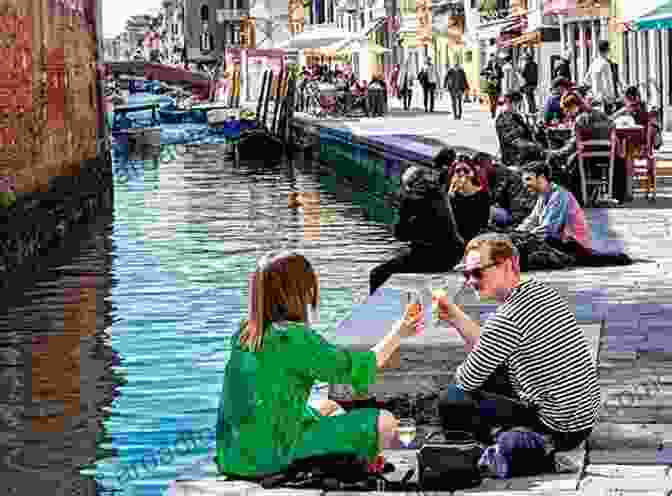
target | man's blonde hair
[{"x": 501, "y": 248}]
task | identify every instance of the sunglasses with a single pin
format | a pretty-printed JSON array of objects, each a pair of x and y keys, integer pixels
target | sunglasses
[
  {"x": 477, "y": 273},
  {"x": 463, "y": 171}
]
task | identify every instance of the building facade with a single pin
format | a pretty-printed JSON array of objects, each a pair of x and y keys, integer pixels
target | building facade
[{"x": 212, "y": 26}]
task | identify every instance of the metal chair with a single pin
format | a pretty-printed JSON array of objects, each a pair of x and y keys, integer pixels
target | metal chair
[{"x": 596, "y": 147}]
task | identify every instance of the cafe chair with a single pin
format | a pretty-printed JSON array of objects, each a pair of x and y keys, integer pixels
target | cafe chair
[
  {"x": 644, "y": 162},
  {"x": 595, "y": 156}
]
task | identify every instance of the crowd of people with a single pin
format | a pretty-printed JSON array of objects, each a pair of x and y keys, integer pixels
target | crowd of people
[
  {"x": 591, "y": 109},
  {"x": 469, "y": 213}
]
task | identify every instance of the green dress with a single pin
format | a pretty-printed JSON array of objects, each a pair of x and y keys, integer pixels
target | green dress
[{"x": 264, "y": 421}]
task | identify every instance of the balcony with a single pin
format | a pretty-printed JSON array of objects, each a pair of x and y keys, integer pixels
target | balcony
[{"x": 224, "y": 15}]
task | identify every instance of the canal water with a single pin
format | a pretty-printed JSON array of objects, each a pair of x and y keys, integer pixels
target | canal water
[{"x": 111, "y": 362}]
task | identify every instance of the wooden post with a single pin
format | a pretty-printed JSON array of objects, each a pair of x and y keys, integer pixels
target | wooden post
[
  {"x": 269, "y": 89},
  {"x": 278, "y": 102},
  {"x": 261, "y": 95}
]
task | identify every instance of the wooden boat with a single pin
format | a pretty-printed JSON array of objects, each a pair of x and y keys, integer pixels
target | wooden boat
[{"x": 124, "y": 132}]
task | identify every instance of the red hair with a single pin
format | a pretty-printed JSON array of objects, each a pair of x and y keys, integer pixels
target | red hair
[{"x": 480, "y": 177}]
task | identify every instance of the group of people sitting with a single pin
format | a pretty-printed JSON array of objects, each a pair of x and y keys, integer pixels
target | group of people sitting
[
  {"x": 444, "y": 207},
  {"x": 574, "y": 109}
]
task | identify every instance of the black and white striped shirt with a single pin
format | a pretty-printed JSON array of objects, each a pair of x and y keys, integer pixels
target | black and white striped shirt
[{"x": 548, "y": 357}]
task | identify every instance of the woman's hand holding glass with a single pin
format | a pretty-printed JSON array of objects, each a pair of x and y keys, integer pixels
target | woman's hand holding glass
[{"x": 412, "y": 321}]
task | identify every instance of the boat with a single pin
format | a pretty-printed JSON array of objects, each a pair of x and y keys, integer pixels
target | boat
[{"x": 125, "y": 131}]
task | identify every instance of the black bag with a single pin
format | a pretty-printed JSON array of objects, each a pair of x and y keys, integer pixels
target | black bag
[{"x": 451, "y": 464}]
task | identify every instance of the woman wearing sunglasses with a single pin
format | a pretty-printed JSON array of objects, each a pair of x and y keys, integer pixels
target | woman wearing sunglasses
[
  {"x": 530, "y": 365},
  {"x": 264, "y": 422}
]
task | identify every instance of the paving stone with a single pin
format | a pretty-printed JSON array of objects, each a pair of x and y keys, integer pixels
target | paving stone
[
  {"x": 605, "y": 485},
  {"x": 615, "y": 471}
]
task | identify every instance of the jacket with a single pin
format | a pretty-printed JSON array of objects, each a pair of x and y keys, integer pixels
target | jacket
[
  {"x": 510, "y": 79},
  {"x": 530, "y": 74},
  {"x": 508, "y": 192},
  {"x": 456, "y": 80},
  {"x": 516, "y": 141},
  {"x": 425, "y": 221},
  {"x": 562, "y": 70}
]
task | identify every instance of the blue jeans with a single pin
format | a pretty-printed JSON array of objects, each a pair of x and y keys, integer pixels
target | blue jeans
[{"x": 496, "y": 404}]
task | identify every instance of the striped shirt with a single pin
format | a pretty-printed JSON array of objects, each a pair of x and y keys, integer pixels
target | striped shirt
[{"x": 549, "y": 359}]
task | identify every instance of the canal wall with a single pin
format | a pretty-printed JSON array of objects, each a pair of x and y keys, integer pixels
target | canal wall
[
  {"x": 55, "y": 163},
  {"x": 375, "y": 162}
]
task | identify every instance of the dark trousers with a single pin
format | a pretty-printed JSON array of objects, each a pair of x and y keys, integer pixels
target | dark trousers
[
  {"x": 495, "y": 404},
  {"x": 529, "y": 96},
  {"x": 429, "y": 91},
  {"x": 456, "y": 100},
  {"x": 416, "y": 259},
  {"x": 406, "y": 95}
]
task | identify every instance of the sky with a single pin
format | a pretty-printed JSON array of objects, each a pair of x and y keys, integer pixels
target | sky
[{"x": 115, "y": 13}]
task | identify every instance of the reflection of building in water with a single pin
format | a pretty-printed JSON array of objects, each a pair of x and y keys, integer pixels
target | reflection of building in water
[{"x": 52, "y": 407}]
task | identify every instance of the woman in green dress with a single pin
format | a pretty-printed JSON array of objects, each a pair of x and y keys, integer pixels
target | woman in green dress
[{"x": 264, "y": 421}]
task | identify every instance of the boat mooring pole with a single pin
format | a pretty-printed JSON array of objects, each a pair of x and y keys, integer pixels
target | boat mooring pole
[{"x": 261, "y": 95}]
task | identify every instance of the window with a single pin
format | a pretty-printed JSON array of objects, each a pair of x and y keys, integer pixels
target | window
[
  {"x": 205, "y": 13},
  {"x": 350, "y": 23},
  {"x": 362, "y": 20},
  {"x": 370, "y": 15},
  {"x": 332, "y": 13}
]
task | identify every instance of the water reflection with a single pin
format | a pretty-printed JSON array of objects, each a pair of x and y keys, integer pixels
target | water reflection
[{"x": 56, "y": 376}]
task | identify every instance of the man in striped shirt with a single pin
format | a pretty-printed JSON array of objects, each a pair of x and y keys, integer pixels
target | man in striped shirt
[{"x": 529, "y": 365}]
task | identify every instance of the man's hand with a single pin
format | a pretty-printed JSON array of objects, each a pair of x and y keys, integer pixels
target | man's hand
[{"x": 447, "y": 309}]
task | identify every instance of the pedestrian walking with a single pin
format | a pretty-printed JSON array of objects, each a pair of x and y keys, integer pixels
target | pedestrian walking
[
  {"x": 510, "y": 77},
  {"x": 561, "y": 69},
  {"x": 456, "y": 84},
  {"x": 530, "y": 80},
  {"x": 429, "y": 78},
  {"x": 407, "y": 78},
  {"x": 493, "y": 81}
]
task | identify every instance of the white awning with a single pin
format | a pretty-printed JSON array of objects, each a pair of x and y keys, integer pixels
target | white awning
[
  {"x": 493, "y": 29},
  {"x": 317, "y": 37}
]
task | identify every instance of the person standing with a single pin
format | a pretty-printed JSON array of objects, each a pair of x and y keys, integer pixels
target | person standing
[
  {"x": 429, "y": 78},
  {"x": 457, "y": 85},
  {"x": 407, "y": 78},
  {"x": 561, "y": 69},
  {"x": 530, "y": 76},
  {"x": 600, "y": 77},
  {"x": 510, "y": 78},
  {"x": 493, "y": 77}
]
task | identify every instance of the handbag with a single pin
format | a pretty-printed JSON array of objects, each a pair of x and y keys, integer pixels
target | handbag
[{"x": 450, "y": 464}]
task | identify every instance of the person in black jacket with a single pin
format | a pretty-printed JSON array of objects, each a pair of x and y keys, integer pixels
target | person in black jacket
[
  {"x": 530, "y": 75},
  {"x": 425, "y": 222},
  {"x": 561, "y": 69}
]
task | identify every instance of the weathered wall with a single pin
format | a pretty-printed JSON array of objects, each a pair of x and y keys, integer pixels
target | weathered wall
[{"x": 53, "y": 144}]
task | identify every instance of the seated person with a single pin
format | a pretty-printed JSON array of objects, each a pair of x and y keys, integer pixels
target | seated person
[
  {"x": 521, "y": 354},
  {"x": 557, "y": 217},
  {"x": 425, "y": 222},
  {"x": 552, "y": 110},
  {"x": 635, "y": 107},
  {"x": 443, "y": 161},
  {"x": 265, "y": 422},
  {"x": 588, "y": 118},
  {"x": 516, "y": 140},
  {"x": 510, "y": 200},
  {"x": 469, "y": 199}
]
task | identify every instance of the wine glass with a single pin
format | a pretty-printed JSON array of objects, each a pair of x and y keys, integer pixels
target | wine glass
[{"x": 406, "y": 431}]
